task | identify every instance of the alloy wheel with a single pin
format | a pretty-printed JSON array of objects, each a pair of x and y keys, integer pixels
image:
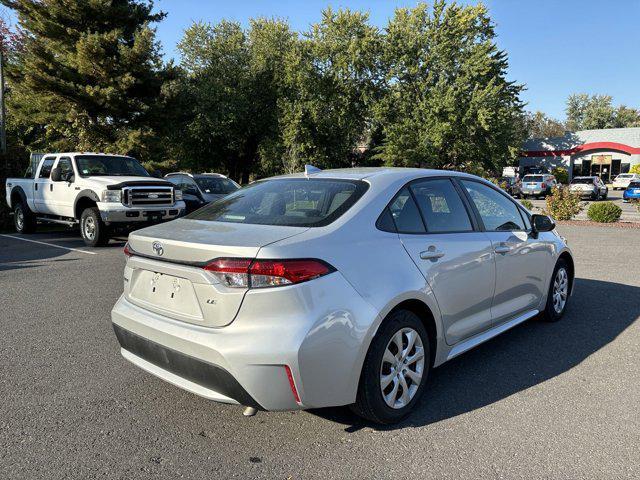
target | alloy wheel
[
  {"x": 402, "y": 368},
  {"x": 19, "y": 218},
  {"x": 560, "y": 290},
  {"x": 89, "y": 228}
]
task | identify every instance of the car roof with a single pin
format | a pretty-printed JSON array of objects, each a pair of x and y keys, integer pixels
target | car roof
[{"x": 373, "y": 174}]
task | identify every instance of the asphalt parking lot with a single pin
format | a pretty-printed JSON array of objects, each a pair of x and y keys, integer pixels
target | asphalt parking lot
[{"x": 541, "y": 401}]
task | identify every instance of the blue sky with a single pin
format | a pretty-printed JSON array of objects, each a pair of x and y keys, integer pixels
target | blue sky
[{"x": 555, "y": 47}]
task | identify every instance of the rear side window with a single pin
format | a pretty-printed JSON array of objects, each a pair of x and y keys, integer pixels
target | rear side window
[
  {"x": 497, "y": 212},
  {"x": 288, "y": 202},
  {"x": 405, "y": 213},
  {"x": 441, "y": 206},
  {"x": 45, "y": 170}
]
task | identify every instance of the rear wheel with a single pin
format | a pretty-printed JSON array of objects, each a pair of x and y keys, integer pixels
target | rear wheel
[
  {"x": 395, "y": 369},
  {"x": 94, "y": 232},
  {"x": 23, "y": 218},
  {"x": 558, "y": 295}
]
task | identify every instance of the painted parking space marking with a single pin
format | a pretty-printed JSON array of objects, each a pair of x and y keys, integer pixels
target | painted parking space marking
[{"x": 48, "y": 244}]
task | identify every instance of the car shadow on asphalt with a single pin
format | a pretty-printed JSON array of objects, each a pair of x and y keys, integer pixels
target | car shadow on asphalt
[
  {"x": 16, "y": 253},
  {"x": 523, "y": 357}
]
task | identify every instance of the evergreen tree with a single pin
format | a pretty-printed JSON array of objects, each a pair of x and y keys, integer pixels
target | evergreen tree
[{"x": 89, "y": 74}]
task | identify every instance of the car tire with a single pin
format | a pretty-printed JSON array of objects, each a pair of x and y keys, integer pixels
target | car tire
[
  {"x": 93, "y": 230},
  {"x": 559, "y": 291},
  {"x": 386, "y": 362},
  {"x": 23, "y": 218}
]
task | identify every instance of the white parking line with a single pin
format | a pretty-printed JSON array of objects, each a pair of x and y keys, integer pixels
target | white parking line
[{"x": 46, "y": 243}]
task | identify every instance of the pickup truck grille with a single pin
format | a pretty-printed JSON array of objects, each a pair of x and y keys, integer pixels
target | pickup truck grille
[{"x": 147, "y": 196}]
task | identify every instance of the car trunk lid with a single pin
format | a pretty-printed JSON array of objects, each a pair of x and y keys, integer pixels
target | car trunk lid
[{"x": 165, "y": 274}]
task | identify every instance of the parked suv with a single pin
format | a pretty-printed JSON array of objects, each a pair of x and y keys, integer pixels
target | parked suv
[
  {"x": 539, "y": 185},
  {"x": 592, "y": 188},
  {"x": 342, "y": 287},
  {"x": 623, "y": 180},
  {"x": 200, "y": 189},
  {"x": 95, "y": 190}
]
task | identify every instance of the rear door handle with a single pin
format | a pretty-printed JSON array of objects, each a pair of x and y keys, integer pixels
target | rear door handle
[
  {"x": 51, "y": 187},
  {"x": 502, "y": 249},
  {"x": 431, "y": 253}
]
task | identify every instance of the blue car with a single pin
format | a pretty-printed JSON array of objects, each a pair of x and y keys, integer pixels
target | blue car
[{"x": 632, "y": 192}]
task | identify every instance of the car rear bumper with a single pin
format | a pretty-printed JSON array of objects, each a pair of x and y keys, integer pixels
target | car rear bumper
[
  {"x": 206, "y": 379},
  {"x": 319, "y": 329},
  {"x": 118, "y": 213},
  {"x": 537, "y": 190}
]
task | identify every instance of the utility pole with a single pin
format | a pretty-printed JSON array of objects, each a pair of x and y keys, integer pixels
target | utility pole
[{"x": 3, "y": 116}]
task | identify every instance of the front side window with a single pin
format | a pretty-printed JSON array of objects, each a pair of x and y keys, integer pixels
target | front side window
[
  {"x": 103, "y": 165},
  {"x": 288, "y": 202},
  {"x": 64, "y": 164},
  {"x": 441, "y": 206},
  {"x": 45, "y": 170},
  {"x": 497, "y": 212}
]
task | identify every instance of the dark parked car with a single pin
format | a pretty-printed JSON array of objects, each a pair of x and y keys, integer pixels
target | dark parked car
[
  {"x": 511, "y": 185},
  {"x": 198, "y": 189}
]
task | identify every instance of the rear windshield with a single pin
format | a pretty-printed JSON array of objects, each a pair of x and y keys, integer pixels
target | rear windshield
[
  {"x": 584, "y": 181},
  {"x": 287, "y": 202},
  {"x": 625, "y": 175},
  {"x": 216, "y": 185},
  {"x": 634, "y": 185},
  {"x": 532, "y": 178}
]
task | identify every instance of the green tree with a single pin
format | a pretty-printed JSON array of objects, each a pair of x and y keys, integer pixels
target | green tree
[
  {"x": 89, "y": 74},
  {"x": 539, "y": 125},
  {"x": 231, "y": 87},
  {"x": 448, "y": 103},
  {"x": 332, "y": 81}
]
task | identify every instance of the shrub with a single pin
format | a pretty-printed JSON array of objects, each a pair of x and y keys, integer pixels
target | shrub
[
  {"x": 527, "y": 204},
  {"x": 562, "y": 204},
  {"x": 604, "y": 212},
  {"x": 635, "y": 169},
  {"x": 561, "y": 174}
]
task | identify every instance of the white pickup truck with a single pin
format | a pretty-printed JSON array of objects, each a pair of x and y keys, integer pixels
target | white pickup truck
[{"x": 100, "y": 192}]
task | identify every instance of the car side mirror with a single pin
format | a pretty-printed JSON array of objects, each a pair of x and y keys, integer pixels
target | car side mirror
[
  {"x": 56, "y": 176},
  {"x": 541, "y": 223},
  {"x": 69, "y": 177}
]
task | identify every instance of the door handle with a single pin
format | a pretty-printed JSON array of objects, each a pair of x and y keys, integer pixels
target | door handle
[
  {"x": 431, "y": 254},
  {"x": 51, "y": 187},
  {"x": 36, "y": 186},
  {"x": 502, "y": 249}
]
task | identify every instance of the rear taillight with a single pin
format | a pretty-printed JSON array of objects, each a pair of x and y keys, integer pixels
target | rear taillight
[
  {"x": 248, "y": 273},
  {"x": 127, "y": 250},
  {"x": 544, "y": 185}
]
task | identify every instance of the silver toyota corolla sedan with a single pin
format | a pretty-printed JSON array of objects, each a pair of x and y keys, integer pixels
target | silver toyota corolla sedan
[{"x": 337, "y": 287}]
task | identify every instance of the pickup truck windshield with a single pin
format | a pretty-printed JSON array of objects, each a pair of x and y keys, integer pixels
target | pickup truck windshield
[
  {"x": 287, "y": 202},
  {"x": 102, "y": 165}
]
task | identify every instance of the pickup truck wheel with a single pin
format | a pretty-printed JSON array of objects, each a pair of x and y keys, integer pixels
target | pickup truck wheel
[
  {"x": 94, "y": 232},
  {"x": 24, "y": 219}
]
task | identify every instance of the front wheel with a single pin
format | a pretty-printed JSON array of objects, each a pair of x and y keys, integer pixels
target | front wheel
[
  {"x": 395, "y": 369},
  {"x": 558, "y": 295},
  {"x": 93, "y": 230},
  {"x": 23, "y": 218}
]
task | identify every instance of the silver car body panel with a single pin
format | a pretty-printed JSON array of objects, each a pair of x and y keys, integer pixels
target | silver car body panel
[{"x": 322, "y": 329}]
